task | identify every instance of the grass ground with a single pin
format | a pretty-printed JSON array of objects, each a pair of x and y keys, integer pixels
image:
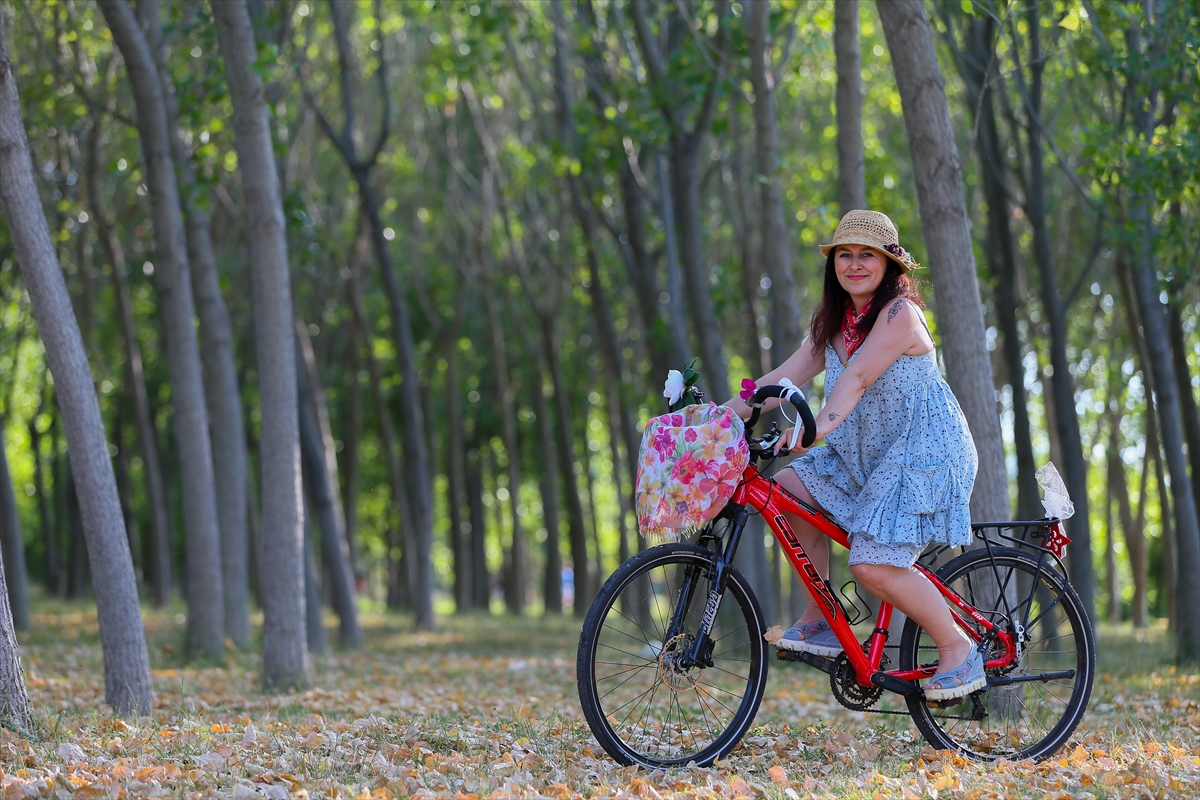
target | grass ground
[{"x": 487, "y": 706}]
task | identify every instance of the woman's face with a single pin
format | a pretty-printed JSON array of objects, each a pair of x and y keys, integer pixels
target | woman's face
[{"x": 860, "y": 270}]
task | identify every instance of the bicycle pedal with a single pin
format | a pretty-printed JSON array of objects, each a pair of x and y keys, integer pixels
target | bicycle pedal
[{"x": 952, "y": 701}]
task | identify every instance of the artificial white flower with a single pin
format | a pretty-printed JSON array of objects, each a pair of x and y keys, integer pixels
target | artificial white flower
[{"x": 673, "y": 388}]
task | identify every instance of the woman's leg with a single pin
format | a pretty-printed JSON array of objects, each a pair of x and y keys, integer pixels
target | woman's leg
[
  {"x": 815, "y": 543},
  {"x": 912, "y": 593}
]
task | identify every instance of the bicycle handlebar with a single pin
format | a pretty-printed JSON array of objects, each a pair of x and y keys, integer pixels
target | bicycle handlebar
[{"x": 798, "y": 401}]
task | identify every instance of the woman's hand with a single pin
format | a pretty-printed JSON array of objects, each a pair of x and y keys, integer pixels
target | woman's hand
[{"x": 786, "y": 437}]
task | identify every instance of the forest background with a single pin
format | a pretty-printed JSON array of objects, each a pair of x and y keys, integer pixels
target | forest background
[{"x": 506, "y": 221}]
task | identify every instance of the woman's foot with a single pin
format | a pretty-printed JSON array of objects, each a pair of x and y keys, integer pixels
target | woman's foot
[
  {"x": 811, "y": 637},
  {"x": 958, "y": 682}
]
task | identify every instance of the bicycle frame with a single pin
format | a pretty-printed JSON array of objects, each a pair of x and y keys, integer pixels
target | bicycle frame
[{"x": 759, "y": 494}]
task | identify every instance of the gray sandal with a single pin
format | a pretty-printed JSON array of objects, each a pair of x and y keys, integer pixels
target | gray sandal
[
  {"x": 958, "y": 682},
  {"x": 812, "y": 637}
]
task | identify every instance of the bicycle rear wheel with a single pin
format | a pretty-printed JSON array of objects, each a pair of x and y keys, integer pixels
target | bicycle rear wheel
[
  {"x": 643, "y": 704},
  {"x": 1035, "y": 715}
]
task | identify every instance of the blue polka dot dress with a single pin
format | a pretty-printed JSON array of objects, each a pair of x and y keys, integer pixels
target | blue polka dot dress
[{"x": 900, "y": 468}]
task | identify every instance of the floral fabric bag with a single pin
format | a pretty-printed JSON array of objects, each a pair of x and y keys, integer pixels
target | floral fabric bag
[{"x": 691, "y": 462}]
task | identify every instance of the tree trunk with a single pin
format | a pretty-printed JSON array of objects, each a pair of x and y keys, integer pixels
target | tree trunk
[
  {"x": 684, "y": 150},
  {"x": 776, "y": 254},
  {"x": 516, "y": 579},
  {"x": 400, "y": 533},
  {"x": 1135, "y": 539},
  {"x": 322, "y": 494},
  {"x": 576, "y": 530},
  {"x": 552, "y": 579},
  {"x": 206, "y": 604},
  {"x": 221, "y": 394},
  {"x": 285, "y": 655},
  {"x": 49, "y": 540},
  {"x": 14, "y": 696},
  {"x": 481, "y": 585},
  {"x": 852, "y": 187},
  {"x": 416, "y": 453},
  {"x": 352, "y": 426},
  {"x": 456, "y": 476},
  {"x": 1110, "y": 551},
  {"x": 126, "y": 665},
  {"x": 1188, "y": 411},
  {"x": 1144, "y": 93},
  {"x": 1063, "y": 389},
  {"x": 314, "y": 623},
  {"x": 12, "y": 545},
  {"x": 948, "y": 242},
  {"x": 974, "y": 61},
  {"x": 159, "y": 534}
]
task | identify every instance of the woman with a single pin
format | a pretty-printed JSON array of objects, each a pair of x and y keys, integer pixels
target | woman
[{"x": 898, "y": 462}]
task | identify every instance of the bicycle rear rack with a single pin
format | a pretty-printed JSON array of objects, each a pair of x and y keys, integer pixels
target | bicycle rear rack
[{"x": 1026, "y": 534}]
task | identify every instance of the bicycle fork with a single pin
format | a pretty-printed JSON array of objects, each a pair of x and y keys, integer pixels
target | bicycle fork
[{"x": 699, "y": 653}]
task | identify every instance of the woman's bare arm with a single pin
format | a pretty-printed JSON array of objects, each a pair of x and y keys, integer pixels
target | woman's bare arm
[{"x": 801, "y": 367}]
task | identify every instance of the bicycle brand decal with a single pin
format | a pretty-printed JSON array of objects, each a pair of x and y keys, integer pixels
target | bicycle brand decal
[
  {"x": 788, "y": 533},
  {"x": 801, "y": 560},
  {"x": 710, "y": 613}
]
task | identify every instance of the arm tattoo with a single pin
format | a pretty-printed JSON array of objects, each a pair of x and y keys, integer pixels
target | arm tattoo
[
  {"x": 895, "y": 309},
  {"x": 832, "y": 417}
]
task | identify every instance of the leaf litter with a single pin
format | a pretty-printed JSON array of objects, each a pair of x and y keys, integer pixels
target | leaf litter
[{"x": 486, "y": 708}]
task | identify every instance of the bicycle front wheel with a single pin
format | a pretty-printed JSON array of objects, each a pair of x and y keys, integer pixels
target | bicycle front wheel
[
  {"x": 1034, "y": 704},
  {"x": 645, "y": 700}
]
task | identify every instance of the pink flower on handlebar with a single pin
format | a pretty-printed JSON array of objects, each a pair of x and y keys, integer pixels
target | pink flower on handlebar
[{"x": 749, "y": 387}]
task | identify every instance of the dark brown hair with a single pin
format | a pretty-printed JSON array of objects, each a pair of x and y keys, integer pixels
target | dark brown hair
[{"x": 827, "y": 321}]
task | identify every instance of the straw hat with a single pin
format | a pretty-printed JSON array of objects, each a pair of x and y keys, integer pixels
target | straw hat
[{"x": 872, "y": 229}]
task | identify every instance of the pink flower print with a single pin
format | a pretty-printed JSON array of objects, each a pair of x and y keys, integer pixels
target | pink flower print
[
  {"x": 688, "y": 467},
  {"x": 676, "y": 421},
  {"x": 690, "y": 435},
  {"x": 664, "y": 442},
  {"x": 726, "y": 419},
  {"x": 730, "y": 453}
]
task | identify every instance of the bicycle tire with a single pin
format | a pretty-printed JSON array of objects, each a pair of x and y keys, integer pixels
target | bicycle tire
[
  {"x": 642, "y": 710},
  {"x": 1022, "y": 720}
]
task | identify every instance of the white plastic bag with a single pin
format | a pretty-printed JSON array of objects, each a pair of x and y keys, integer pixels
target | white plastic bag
[{"x": 1055, "y": 499}]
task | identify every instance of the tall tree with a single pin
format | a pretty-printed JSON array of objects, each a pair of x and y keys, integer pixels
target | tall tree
[
  {"x": 975, "y": 59},
  {"x": 416, "y": 449},
  {"x": 221, "y": 394},
  {"x": 285, "y": 655},
  {"x": 1062, "y": 393},
  {"x": 316, "y": 453},
  {"x": 685, "y": 146},
  {"x": 1147, "y": 39},
  {"x": 12, "y": 543},
  {"x": 948, "y": 242},
  {"x": 852, "y": 188},
  {"x": 122, "y": 639},
  {"x": 206, "y": 602},
  {"x": 14, "y": 695},
  {"x": 776, "y": 253}
]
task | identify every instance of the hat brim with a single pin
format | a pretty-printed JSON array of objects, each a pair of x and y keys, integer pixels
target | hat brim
[{"x": 826, "y": 249}]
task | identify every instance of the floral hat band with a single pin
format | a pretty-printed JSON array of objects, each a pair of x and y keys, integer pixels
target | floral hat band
[{"x": 872, "y": 229}]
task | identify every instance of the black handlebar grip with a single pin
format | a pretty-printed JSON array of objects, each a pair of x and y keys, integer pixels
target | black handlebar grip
[{"x": 806, "y": 416}]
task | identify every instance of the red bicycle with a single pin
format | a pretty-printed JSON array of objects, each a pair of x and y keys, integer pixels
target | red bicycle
[{"x": 672, "y": 661}]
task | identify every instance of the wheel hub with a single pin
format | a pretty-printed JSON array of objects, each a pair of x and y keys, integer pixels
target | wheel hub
[{"x": 675, "y": 673}]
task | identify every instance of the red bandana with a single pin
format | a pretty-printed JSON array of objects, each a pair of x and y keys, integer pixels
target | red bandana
[{"x": 852, "y": 334}]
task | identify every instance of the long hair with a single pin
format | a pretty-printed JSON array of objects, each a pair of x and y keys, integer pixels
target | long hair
[{"x": 827, "y": 321}]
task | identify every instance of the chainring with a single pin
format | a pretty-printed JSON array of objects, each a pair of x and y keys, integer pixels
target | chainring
[{"x": 843, "y": 682}]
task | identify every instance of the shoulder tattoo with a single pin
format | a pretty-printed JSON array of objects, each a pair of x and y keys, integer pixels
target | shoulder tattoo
[{"x": 895, "y": 309}]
